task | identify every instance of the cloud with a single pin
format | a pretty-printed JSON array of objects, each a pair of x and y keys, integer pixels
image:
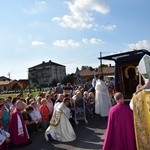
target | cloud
[
  {"x": 81, "y": 16},
  {"x": 143, "y": 44},
  {"x": 37, "y": 43},
  {"x": 39, "y": 7},
  {"x": 110, "y": 27},
  {"x": 92, "y": 41},
  {"x": 66, "y": 43},
  {"x": 73, "y": 43}
]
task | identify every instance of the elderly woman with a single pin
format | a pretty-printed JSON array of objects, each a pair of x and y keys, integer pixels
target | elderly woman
[
  {"x": 44, "y": 113},
  {"x": 30, "y": 124}
]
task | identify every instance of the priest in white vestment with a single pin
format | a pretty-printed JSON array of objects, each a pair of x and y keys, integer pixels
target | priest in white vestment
[
  {"x": 60, "y": 128},
  {"x": 102, "y": 98}
]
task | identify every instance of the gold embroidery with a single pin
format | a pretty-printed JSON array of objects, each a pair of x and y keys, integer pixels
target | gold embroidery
[
  {"x": 141, "y": 106},
  {"x": 55, "y": 118}
]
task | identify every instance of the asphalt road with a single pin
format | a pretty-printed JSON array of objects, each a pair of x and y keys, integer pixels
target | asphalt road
[{"x": 90, "y": 136}]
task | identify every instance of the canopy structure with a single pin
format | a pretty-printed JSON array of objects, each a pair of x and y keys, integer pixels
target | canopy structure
[
  {"x": 124, "y": 56},
  {"x": 126, "y": 76}
]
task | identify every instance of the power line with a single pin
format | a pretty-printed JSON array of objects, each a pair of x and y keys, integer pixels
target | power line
[
  {"x": 83, "y": 58},
  {"x": 88, "y": 57}
]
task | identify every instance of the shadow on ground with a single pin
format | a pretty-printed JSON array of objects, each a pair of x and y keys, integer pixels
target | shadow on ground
[{"x": 89, "y": 137}]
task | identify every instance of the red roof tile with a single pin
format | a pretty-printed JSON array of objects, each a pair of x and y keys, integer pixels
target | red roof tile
[
  {"x": 105, "y": 71},
  {"x": 4, "y": 82}
]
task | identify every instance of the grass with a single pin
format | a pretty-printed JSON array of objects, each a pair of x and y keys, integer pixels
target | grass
[
  {"x": 15, "y": 94},
  {"x": 7, "y": 95}
]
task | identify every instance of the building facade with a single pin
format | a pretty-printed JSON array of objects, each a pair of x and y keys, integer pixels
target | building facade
[
  {"x": 46, "y": 72},
  {"x": 81, "y": 76},
  {"x": 6, "y": 84}
]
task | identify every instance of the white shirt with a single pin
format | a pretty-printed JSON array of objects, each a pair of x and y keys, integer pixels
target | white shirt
[
  {"x": 35, "y": 114},
  {"x": 3, "y": 136}
]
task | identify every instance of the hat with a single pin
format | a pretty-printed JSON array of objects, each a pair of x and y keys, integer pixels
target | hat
[{"x": 144, "y": 66}]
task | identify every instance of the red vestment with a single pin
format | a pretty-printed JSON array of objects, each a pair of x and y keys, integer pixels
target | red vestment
[
  {"x": 15, "y": 137},
  {"x": 120, "y": 129}
]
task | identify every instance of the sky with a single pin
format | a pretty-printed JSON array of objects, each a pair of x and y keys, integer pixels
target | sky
[{"x": 69, "y": 32}]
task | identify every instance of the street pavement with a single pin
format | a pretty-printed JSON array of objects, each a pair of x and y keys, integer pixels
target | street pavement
[{"x": 90, "y": 136}]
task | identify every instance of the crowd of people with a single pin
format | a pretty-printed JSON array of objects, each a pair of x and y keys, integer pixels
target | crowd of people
[
  {"x": 52, "y": 112},
  {"x": 55, "y": 113}
]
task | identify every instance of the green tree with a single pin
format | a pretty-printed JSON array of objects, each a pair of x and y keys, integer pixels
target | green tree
[
  {"x": 69, "y": 79},
  {"x": 54, "y": 82},
  {"x": 38, "y": 86},
  {"x": 103, "y": 65},
  {"x": 87, "y": 68}
]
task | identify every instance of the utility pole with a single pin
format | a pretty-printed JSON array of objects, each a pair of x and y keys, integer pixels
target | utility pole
[{"x": 101, "y": 62}]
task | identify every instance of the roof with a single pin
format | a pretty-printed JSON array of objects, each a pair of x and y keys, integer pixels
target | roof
[
  {"x": 3, "y": 78},
  {"x": 49, "y": 63},
  {"x": 4, "y": 83},
  {"x": 127, "y": 56},
  {"x": 105, "y": 71}
]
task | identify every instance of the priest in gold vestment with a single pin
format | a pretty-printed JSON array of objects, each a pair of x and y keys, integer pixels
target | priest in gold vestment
[
  {"x": 140, "y": 104},
  {"x": 60, "y": 128}
]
